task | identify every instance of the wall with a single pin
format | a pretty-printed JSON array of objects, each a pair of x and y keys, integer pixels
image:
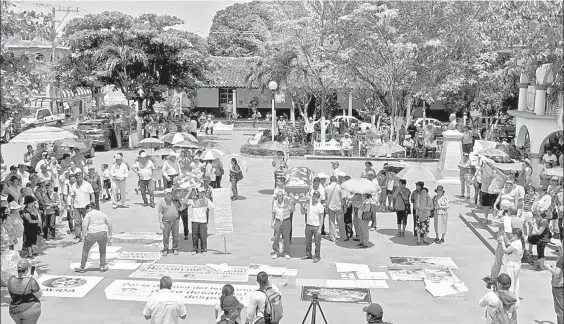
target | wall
[{"x": 207, "y": 98}]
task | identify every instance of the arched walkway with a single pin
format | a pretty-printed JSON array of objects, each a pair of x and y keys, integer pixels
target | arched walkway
[
  {"x": 554, "y": 136},
  {"x": 523, "y": 137}
]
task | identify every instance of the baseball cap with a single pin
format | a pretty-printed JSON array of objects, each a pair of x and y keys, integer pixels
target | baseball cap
[
  {"x": 143, "y": 155},
  {"x": 231, "y": 302},
  {"x": 374, "y": 309},
  {"x": 168, "y": 190}
]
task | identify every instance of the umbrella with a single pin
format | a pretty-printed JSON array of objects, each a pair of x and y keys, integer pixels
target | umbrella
[
  {"x": 178, "y": 137},
  {"x": 241, "y": 161},
  {"x": 41, "y": 135},
  {"x": 188, "y": 181},
  {"x": 211, "y": 154},
  {"x": 187, "y": 145},
  {"x": 361, "y": 186},
  {"x": 417, "y": 172},
  {"x": 165, "y": 151},
  {"x": 151, "y": 143},
  {"x": 275, "y": 146},
  {"x": 554, "y": 172},
  {"x": 388, "y": 148},
  {"x": 211, "y": 145},
  {"x": 71, "y": 142}
]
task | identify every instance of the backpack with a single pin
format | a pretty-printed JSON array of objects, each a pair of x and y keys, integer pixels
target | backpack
[{"x": 273, "y": 310}]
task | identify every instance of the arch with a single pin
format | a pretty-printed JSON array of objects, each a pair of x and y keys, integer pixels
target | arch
[
  {"x": 547, "y": 138},
  {"x": 523, "y": 137}
]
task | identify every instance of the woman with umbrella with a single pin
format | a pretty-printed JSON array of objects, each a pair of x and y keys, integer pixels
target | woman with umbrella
[{"x": 235, "y": 175}]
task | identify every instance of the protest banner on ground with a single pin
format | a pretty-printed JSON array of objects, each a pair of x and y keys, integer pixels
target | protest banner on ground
[
  {"x": 67, "y": 286},
  {"x": 191, "y": 272},
  {"x": 141, "y": 256}
]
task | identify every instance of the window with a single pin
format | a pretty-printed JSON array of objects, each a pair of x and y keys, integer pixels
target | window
[
  {"x": 39, "y": 57},
  {"x": 26, "y": 37},
  {"x": 43, "y": 113},
  {"x": 225, "y": 95}
]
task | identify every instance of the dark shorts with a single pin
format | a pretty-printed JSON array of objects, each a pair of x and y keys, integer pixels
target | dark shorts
[
  {"x": 487, "y": 200},
  {"x": 401, "y": 217},
  {"x": 389, "y": 192},
  {"x": 467, "y": 148},
  {"x": 107, "y": 184},
  {"x": 541, "y": 245}
]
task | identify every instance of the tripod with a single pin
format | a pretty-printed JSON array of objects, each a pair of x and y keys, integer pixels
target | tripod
[{"x": 314, "y": 305}]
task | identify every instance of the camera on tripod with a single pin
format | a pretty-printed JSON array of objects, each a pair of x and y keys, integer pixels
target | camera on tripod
[
  {"x": 315, "y": 296},
  {"x": 313, "y": 306}
]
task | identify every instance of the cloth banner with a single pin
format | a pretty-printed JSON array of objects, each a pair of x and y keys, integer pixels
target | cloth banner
[
  {"x": 223, "y": 217},
  {"x": 191, "y": 272}
]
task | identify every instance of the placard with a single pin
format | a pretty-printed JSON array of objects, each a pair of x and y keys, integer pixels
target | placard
[
  {"x": 351, "y": 267},
  {"x": 190, "y": 272},
  {"x": 372, "y": 276},
  {"x": 348, "y": 276},
  {"x": 443, "y": 276},
  {"x": 340, "y": 283},
  {"x": 421, "y": 263},
  {"x": 372, "y": 284},
  {"x": 67, "y": 286},
  {"x": 136, "y": 237},
  {"x": 142, "y": 256},
  {"x": 193, "y": 293},
  {"x": 223, "y": 217},
  {"x": 407, "y": 274},
  {"x": 337, "y": 295}
]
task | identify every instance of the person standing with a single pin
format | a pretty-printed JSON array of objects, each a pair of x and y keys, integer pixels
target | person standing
[
  {"x": 414, "y": 201},
  {"x": 81, "y": 195},
  {"x": 219, "y": 171},
  {"x": 51, "y": 210},
  {"x": 167, "y": 212},
  {"x": 401, "y": 206},
  {"x": 334, "y": 208},
  {"x": 365, "y": 215},
  {"x": 165, "y": 306},
  {"x": 235, "y": 175},
  {"x": 200, "y": 209},
  {"x": 119, "y": 173},
  {"x": 500, "y": 303},
  {"x": 282, "y": 208},
  {"x": 194, "y": 127},
  {"x": 97, "y": 229},
  {"x": 371, "y": 176},
  {"x": 28, "y": 155},
  {"x": 32, "y": 225},
  {"x": 144, "y": 168},
  {"x": 314, "y": 213},
  {"x": 540, "y": 234},
  {"x": 25, "y": 292},
  {"x": 96, "y": 183},
  {"x": 440, "y": 203},
  {"x": 117, "y": 131},
  {"x": 231, "y": 308},
  {"x": 258, "y": 299},
  {"x": 171, "y": 170},
  {"x": 422, "y": 208},
  {"x": 309, "y": 128},
  {"x": 512, "y": 250},
  {"x": 557, "y": 284},
  {"x": 374, "y": 313}
]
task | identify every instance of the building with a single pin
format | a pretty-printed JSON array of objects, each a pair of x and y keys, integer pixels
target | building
[{"x": 36, "y": 47}]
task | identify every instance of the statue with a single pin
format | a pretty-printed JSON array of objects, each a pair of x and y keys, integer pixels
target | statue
[{"x": 452, "y": 122}]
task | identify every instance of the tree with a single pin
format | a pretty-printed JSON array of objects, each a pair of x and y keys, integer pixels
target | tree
[
  {"x": 140, "y": 56},
  {"x": 19, "y": 77},
  {"x": 240, "y": 30}
]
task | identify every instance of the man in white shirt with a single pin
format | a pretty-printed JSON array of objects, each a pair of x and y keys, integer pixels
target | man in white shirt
[
  {"x": 200, "y": 209},
  {"x": 24, "y": 175},
  {"x": 334, "y": 209},
  {"x": 171, "y": 169},
  {"x": 144, "y": 169},
  {"x": 257, "y": 300},
  {"x": 317, "y": 186},
  {"x": 314, "y": 218},
  {"x": 336, "y": 171},
  {"x": 549, "y": 158},
  {"x": 165, "y": 306},
  {"x": 309, "y": 128},
  {"x": 81, "y": 194},
  {"x": 282, "y": 209},
  {"x": 346, "y": 145},
  {"x": 118, "y": 173}
]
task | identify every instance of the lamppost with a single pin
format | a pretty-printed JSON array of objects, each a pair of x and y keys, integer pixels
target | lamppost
[{"x": 272, "y": 85}]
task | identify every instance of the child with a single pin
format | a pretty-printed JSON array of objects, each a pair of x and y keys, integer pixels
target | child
[{"x": 106, "y": 183}]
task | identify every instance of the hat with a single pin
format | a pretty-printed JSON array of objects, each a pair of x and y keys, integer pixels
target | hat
[
  {"x": 441, "y": 188},
  {"x": 374, "y": 309},
  {"x": 117, "y": 157},
  {"x": 14, "y": 205},
  {"x": 407, "y": 136},
  {"x": 44, "y": 153},
  {"x": 168, "y": 190},
  {"x": 143, "y": 155},
  {"x": 322, "y": 175},
  {"x": 335, "y": 162},
  {"x": 510, "y": 181},
  {"x": 23, "y": 265},
  {"x": 555, "y": 178},
  {"x": 231, "y": 302},
  {"x": 13, "y": 168},
  {"x": 347, "y": 134},
  {"x": 91, "y": 167},
  {"x": 420, "y": 183},
  {"x": 310, "y": 118}
]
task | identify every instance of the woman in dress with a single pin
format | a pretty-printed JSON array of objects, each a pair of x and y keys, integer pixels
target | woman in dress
[
  {"x": 440, "y": 203},
  {"x": 511, "y": 262},
  {"x": 424, "y": 207},
  {"x": 25, "y": 292},
  {"x": 32, "y": 224},
  {"x": 235, "y": 175}
]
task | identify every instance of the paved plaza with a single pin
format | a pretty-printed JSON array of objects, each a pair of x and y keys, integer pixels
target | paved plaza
[{"x": 403, "y": 302}]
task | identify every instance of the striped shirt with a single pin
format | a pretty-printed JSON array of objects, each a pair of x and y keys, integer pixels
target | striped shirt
[{"x": 528, "y": 201}]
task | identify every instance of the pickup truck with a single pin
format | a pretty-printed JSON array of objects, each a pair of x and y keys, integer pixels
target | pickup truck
[{"x": 42, "y": 117}]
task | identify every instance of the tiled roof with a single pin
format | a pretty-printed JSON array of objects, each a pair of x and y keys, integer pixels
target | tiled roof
[{"x": 229, "y": 72}]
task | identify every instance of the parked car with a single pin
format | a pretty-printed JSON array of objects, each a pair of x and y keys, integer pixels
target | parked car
[
  {"x": 7, "y": 130},
  {"x": 99, "y": 131},
  {"x": 504, "y": 126},
  {"x": 42, "y": 116},
  {"x": 350, "y": 121},
  {"x": 88, "y": 151}
]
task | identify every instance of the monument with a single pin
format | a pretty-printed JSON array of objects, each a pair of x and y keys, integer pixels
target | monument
[{"x": 451, "y": 155}]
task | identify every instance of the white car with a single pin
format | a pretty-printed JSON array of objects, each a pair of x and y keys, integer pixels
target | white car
[
  {"x": 7, "y": 130},
  {"x": 352, "y": 121},
  {"x": 429, "y": 121}
]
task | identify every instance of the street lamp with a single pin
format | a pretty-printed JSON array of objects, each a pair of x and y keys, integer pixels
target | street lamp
[{"x": 272, "y": 85}]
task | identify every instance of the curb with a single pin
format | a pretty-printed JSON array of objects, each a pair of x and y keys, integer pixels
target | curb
[
  {"x": 364, "y": 158},
  {"x": 475, "y": 231}
]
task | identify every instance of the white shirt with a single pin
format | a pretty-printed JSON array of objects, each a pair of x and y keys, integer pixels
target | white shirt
[
  {"x": 552, "y": 158},
  {"x": 257, "y": 303},
  {"x": 542, "y": 205},
  {"x": 321, "y": 190},
  {"x": 199, "y": 209},
  {"x": 24, "y": 176},
  {"x": 43, "y": 161},
  {"x": 333, "y": 192},
  {"x": 165, "y": 307},
  {"x": 210, "y": 171},
  {"x": 171, "y": 168},
  {"x": 81, "y": 194},
  {"x": 146, "y": 171},
  {"x": 315, "y": 214},
  {"x": 346, "y": 142},
  {"x": 120, "y": 171},
  {"x": 338, "y": 173}
]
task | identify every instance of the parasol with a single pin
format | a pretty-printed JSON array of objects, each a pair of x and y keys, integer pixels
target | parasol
[
  {"x": 417, "y": 172},
  {"x": 211, "y": 154},
  {"x": 165, "y": 151},
  {"x": 554, "y": 172},
  {"x": 151, "y": 143},
  {"x": 361, "y": 186},
  {"x": 187, "y": 145},
  {"x": 275, "y": 146},
  {"x": 71, "y": 142},
  {"x": 178, "y": 137},
  {"x": 41, "y": 135},
  {"x": 211, "y": 145}
]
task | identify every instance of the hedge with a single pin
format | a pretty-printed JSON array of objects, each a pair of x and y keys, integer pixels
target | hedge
[{"x": 257, "y": 150}]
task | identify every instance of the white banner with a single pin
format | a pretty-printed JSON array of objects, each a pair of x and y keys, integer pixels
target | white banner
[
  {"x": 67, "y": 286},
  {"x": 191, "y": 272},
  {"x": 223, "y": 218},
  {"x": 193, "y": 293},
  {"x": 137, "y": 237},
  {"x": 142, "y": 256}
]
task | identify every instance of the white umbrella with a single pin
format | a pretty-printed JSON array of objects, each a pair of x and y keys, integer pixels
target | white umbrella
[
  {"x": 178, "y": 137},
  {"x": 41, "y": 135},
  {"x": 417, "y": 172},
  {"x": 554, "y": 172},
  {"x": 211, "y": 154},
  {"x": 361, "y": 186},
  {"x": 151, "y": 143}
]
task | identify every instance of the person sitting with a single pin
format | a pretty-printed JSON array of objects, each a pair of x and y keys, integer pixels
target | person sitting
[
  {"x": 346, "y": 145},
  {"x": 408, "y": 144},
  {"x": 431, "y": 147}
]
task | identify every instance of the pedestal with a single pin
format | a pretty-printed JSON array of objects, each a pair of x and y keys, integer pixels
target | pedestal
[{"x": 447, "y": 170}]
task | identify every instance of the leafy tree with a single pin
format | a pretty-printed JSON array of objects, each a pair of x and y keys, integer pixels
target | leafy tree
[
  {"x": 139, "y": 56},
  {"x": 240, "y": 30}
]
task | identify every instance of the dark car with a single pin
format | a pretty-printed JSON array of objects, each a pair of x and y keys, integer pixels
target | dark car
[
  {"x": 98, "y": 131},
  {"x": 504, "y": 126},
  {"x": 87, "y": 151}
]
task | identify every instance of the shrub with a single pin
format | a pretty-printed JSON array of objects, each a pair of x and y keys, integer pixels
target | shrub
[{"x": 259, "y": 151}]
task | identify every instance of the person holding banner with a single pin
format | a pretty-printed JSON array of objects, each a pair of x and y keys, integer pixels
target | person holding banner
[{"x": 282, "y": 209}]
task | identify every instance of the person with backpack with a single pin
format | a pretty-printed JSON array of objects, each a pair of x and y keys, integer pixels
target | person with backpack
[
  {"x": 500, "y": 303},
  {"x": 265, "y": 303}
]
